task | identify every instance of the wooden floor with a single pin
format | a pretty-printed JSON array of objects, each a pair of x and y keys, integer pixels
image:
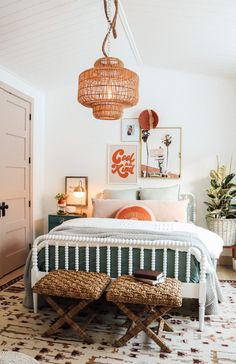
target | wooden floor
[
  {"x": 16, "y": 273},
  {"x": 224, "y": 272}
]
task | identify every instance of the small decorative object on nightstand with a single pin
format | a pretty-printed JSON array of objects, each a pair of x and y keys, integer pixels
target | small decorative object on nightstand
[
  {"x": 61, "y": 203},
  {"x": 55, "y": 219}
]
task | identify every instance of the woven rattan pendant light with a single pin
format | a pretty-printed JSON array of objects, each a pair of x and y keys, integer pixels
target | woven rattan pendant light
[{"x": 108, "y": 87}]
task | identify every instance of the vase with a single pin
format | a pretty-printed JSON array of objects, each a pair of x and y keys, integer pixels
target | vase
[{"x": 61, "y": 207}]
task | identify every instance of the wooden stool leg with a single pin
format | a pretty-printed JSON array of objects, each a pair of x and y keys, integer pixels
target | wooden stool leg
[
  {"x": 142, "y": 326},
  {"x": 66, "y": 317},
  {"x": 167, "y": 326},
  {"x": 129, "y": 323},
  {"x": 135, "y": 319},
  {"x": 61, "y": 320}
]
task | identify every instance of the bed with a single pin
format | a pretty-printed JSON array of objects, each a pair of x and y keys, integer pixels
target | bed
[{"x": 117, "y": 247}]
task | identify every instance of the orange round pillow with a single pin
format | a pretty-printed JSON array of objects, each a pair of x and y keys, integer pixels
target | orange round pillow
[{"x": 134, "y": 212}]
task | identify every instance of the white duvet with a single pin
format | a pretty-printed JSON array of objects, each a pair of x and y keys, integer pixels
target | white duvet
[{"x": 212, "y": 242}]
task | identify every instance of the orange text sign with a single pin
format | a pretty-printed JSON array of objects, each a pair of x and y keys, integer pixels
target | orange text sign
[{"x": 123, "y": 164}]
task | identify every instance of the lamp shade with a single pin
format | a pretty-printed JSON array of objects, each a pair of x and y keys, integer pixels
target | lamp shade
[
  {"x": 108, "y": 88},
  {"x": 79, "y": 191}
]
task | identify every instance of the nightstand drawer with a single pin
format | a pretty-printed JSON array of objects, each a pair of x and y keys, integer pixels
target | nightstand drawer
[{"x": 55, "y": 220}]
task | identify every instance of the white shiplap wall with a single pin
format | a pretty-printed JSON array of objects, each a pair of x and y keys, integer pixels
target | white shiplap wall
[{"x": 50, "y": 42}]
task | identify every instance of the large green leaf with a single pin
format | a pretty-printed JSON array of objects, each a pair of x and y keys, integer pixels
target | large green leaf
[
  {"x": 214, "y": 183},
  {"x": 214, "y": 174},
  {"x": 228, "y": 178},
  {"x": 222, "y": 170},
  {"x": 211, "y": 195},
  {"x": 231, "y": 185},
  {"x": 210, "y": 206},
  {"x": 231, "y": 214}
]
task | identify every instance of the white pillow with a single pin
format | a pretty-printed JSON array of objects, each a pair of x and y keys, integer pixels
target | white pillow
[
  {"x": 109, "y": 207},
  {"x": 170, "y": 193},
  {"x": 131, "y": 194},
  {"x": 162, "y": 210}
]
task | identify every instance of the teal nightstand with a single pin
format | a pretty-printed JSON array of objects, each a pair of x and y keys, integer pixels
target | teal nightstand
[{"x": 55, "y": 219}]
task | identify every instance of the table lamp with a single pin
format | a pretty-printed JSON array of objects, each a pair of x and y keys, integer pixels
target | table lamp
[{"x": 79, "y": 193}]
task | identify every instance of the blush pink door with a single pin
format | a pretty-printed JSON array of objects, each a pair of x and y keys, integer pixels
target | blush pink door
[{"x": 14, "y": 181}]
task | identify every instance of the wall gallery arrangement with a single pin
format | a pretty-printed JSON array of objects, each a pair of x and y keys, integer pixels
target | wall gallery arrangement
[
  {"x": 122, "y": 164},
  {"x": 160, "y": 154},
  {"x": 130, "y": 130}
]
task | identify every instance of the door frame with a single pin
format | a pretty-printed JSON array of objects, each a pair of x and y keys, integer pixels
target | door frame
[{"x": 13, "y": 91}]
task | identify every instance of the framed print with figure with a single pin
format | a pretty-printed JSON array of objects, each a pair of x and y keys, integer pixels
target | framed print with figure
[
  {"x": 160, "y": 155},
  {"x": 71, "y": 183},
  {"x": 122, "y": 164},
  {"x": 130, "y": 131}
]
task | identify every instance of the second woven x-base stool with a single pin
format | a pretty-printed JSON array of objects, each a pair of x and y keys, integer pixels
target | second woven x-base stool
[
  {"x": 156, "y": 300},
  {"x": 84, "y": 287}
]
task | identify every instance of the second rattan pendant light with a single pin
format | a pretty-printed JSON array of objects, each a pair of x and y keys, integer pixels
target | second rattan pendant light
[{"x": 108, "y": 87}]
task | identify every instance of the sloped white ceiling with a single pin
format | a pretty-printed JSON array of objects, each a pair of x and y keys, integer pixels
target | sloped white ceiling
[
  {"x": 49, "y": 42},
  {"x": 190, "y": 35}
]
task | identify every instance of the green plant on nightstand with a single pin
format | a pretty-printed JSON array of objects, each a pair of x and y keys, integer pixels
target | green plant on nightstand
[
  {"x": 61, "y": 203},
  {"x": 221, "y": 217}
]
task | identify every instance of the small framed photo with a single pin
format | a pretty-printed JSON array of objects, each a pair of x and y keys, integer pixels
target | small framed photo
[
  {"x": 130, "y": 131},
  {"x": 70, "y": 183},
  {"x": 122, "y": 164}
]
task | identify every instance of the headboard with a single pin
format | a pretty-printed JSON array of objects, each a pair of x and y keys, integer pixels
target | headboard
[{"x": 191, "y": 213}]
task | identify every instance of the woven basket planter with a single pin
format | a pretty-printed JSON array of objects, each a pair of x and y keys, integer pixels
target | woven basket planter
[{"x": 226, "y": 228}]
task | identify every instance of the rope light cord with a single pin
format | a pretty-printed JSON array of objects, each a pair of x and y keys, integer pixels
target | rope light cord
[
  {"x": 108, "y": 47},
  {"x": 108, "y": 87},
  {"x": 112, "y": 24}
]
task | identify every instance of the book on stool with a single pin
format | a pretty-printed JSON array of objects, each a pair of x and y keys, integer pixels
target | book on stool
[{"x": 152, "y": 277}]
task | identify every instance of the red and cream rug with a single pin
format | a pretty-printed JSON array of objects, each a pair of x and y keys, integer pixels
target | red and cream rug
[{"x": 21, "y": 329}]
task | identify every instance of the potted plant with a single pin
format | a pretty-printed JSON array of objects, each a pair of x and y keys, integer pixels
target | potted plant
[
  {"x": 221, "y": 217},
  {"x": 61, "y": 203}
]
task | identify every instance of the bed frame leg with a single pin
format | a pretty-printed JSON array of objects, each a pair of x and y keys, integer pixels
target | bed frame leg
[
  {"x": 201, "y": 316},
  {"x": 215, "y": 263},
  {"x": 35, "y": 302}
]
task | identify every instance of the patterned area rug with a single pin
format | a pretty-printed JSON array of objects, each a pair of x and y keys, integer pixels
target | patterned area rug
[{"x": 21, "y": 329}]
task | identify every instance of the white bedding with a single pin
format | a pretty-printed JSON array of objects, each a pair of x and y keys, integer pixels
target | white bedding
[{"x": 212, "y": 242}]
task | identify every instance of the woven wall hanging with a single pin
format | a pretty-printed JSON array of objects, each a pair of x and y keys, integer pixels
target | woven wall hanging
[{"x": 108, "y": 87}]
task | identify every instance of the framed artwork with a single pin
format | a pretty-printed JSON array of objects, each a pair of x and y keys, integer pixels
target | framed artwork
[
  {"x": 161, "y": 152},
  {"x": 70, "y": 183},
  {"x": 130, "y": 131},
  {"x": 122, "y": 164}
]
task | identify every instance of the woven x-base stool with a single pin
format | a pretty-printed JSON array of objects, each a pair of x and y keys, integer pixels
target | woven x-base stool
[
  {"x": 157, "y": 301},
  {"x": 84, "y": 287}
]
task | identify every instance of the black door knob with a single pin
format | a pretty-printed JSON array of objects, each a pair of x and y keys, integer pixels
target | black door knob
[{"x": 3, "y": 209}]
